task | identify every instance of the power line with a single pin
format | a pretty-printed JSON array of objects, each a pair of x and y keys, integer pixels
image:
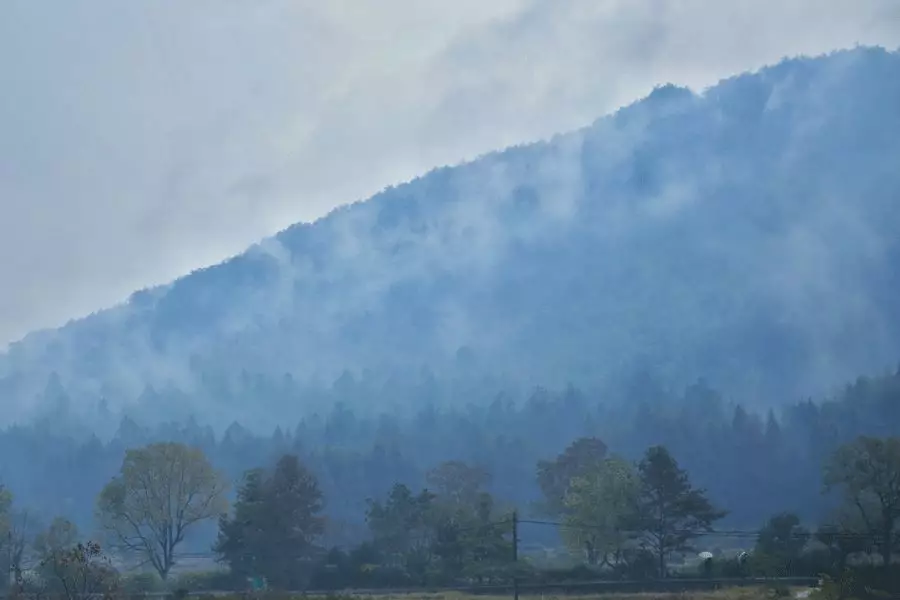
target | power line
[
  {"x": 489, "y": 530},
  {"x": 511, "y": 527},
  {"x": 698, "y": 532}
]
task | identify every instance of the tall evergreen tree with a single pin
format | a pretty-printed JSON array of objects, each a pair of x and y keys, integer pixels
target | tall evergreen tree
[
  {"x": 669, "y": 511},
  {"x": 276, "y": 525},
  {"x": 243, "y": 533}
]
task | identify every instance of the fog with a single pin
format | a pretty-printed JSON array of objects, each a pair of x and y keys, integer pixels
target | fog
[
  {"x": 142, "y": 140},
  {"x": 422, "y": 269},
  {"x": 742, "y": 233}
]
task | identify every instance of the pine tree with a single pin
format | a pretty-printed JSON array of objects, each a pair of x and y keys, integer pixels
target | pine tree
[
  {"x": 275, "y": 527},
  {"x": 669, "y": 511}
]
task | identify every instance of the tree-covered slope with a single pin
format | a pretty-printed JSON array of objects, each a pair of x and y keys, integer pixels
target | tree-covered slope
[{"x": 747, "y": 234}]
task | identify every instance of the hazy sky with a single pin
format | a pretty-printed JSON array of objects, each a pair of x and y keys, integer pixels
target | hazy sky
[{"x": 141, "y": 139}]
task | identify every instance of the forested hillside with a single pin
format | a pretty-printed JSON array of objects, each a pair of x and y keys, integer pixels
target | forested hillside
[{"x": 746, "y": 234}]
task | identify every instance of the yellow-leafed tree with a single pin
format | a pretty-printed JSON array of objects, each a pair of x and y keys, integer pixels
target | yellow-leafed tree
[{"x": 161, "y": 491}]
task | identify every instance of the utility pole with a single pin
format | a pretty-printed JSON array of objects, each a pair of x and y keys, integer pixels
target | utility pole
[{"x": 515, "y": 554}]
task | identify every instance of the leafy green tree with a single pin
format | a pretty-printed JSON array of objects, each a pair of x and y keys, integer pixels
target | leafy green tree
[
  {"x": 456, "y": 483},
  {"x": 554, "y": 476},
  {"x": 276, "y": 525},
  {"x": 488, "y": 541},
  {"x": 456, "y": 533},
  {"x": 598, "y": 505},
  {"x": 160, "y": 493},
  {"x": 403, "y": 528},
  {"x": 669, "y": 512},
  {"x": 867, "y": 472},
  {"x": 843, "y": 535},
  {"x": 471, "y": 541},
  {"x": 781, "y": 541}
]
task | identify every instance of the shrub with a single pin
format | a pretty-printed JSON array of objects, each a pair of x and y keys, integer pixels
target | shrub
[
  {"x": 141, "y": 583},
  {"x": 204, "y": 581}
]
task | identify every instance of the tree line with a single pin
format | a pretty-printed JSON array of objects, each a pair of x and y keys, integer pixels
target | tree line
[
  {"x": 755, "y": 462},
  {"x": 617, "y": 518}
]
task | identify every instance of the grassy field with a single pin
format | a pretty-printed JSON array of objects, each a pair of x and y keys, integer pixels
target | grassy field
[{"x": 725, "y": 594}]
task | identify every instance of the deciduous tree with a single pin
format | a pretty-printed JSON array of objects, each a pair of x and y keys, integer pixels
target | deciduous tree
[
  {"x": 554, "y": 476},
  {"x": 844, "y": 534},
  {"x": 81, "y": 571},
  {"x": 457, "y": 483},
  {"x": 23, "y": 529},
  {"x": 161, "y": 491},
  {"x": 598, "y": 505},
  {"x": 867, "y": 472},
  {"x": 60, "y": 535},
  {"x": 403, "y": 527},
  {"x": 782, "y": 537}
]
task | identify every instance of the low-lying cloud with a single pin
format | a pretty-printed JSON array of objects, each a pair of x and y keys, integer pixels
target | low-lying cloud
[{"x": 139, "y": 140}]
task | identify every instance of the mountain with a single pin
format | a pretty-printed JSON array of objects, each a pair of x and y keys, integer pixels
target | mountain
[{"x": 747, "y": 234}]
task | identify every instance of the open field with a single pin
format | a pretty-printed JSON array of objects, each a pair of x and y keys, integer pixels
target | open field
[{"x": 724, "y": 594}]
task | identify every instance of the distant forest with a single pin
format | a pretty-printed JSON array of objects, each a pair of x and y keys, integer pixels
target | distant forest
[{"x": 751, "y": 464}]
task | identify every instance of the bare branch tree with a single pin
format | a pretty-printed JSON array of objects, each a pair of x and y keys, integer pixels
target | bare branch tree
[
  {"x": 24, "y": 528},
  {"x": 80, "y": 572}
]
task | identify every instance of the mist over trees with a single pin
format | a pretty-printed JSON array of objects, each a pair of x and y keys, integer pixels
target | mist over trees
[
  {"x": 525, "y": 452},
  {"x": 745, "y": 234},
  {"x": 643, "y": 519},
  {"x": 628, "y": 336}
]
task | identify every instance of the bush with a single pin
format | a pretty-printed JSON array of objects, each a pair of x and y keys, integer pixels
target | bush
[
  {"x": 835, "y": 588},
  {"x": 204, "y": 581},
  {"x": 640, "y": 564},
  {"x": 779, "y": 591},
  {"x": 561, "y": 575},
  {"x": 730, "y": 568},
  {"x": 141, "y": 583}
]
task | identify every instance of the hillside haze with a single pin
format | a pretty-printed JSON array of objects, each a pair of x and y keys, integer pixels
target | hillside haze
[{"x": 747, "y": 234}]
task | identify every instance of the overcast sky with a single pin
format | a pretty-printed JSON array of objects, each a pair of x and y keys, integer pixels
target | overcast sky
[{"x": 142, "y": 139}]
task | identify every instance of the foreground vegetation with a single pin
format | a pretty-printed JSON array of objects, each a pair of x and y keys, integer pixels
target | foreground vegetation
[
  {"x": 600, "y": 511},
  {"x": 622, "y": 521},
  {"x": 752, "y": 593}
]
